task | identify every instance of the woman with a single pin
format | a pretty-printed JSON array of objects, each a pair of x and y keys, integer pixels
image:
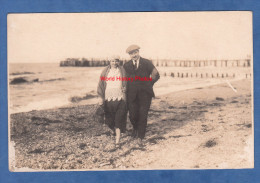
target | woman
[{"x": 112, "y": 93}]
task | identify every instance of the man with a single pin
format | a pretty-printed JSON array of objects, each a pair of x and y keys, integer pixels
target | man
[{"x": 139, "y": 92}]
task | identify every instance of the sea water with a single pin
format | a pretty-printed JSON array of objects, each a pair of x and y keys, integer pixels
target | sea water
[{"x": 56, "y": 85}]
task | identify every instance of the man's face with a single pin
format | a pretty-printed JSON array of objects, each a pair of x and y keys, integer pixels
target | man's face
[{"x": 134, "y": 55}]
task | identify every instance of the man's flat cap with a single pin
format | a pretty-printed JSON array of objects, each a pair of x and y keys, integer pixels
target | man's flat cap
[{"x": 132, "y": 48}]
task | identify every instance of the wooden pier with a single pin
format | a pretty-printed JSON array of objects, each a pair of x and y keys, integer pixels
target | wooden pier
[{"x": 74, "y": 62}]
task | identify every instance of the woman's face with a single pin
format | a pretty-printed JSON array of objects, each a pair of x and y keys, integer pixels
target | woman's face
[{"x": 114, "y": 63}]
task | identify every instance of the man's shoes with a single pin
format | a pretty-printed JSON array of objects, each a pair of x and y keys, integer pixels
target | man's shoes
[
  {"x": 140, "y": 143},
  {"x": 134, "y": 134}
]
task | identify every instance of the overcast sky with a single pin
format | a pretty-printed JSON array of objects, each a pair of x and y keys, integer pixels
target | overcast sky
[{"x": 52, "y": 37}]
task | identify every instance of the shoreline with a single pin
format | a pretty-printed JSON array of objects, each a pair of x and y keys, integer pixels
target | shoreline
[
  {"x": 209, "y": 127},
  {"x": 160, "y": 90}
]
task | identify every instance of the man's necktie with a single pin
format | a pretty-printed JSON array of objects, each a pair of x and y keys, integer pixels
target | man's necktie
[{"x": 135, "y": 65}]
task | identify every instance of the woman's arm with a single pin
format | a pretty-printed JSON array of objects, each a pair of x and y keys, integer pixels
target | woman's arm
[{"x": 101, "y": 86}]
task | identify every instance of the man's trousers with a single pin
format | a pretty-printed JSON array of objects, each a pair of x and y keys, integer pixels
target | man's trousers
[{"x": 138, "y": 112}]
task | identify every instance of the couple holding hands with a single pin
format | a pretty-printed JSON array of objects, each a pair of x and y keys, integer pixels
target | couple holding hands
[{"x": 117, "y": 97}]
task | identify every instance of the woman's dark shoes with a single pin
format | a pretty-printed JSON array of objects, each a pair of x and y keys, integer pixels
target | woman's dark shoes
[{"x": 114, "y": 132}]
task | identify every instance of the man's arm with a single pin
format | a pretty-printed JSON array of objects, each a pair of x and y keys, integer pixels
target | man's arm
[
  {"x": 155, "y": 75},
  {"x": 154, "y": 72}
]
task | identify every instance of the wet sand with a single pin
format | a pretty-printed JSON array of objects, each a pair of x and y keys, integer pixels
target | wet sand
[{"x": 200, "y": 128}]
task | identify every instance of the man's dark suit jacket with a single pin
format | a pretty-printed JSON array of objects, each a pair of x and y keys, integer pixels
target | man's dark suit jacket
[{"x": 145, "y": 69}]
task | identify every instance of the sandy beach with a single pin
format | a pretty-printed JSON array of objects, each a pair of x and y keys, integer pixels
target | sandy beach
[{"x": 201, "y": 128}]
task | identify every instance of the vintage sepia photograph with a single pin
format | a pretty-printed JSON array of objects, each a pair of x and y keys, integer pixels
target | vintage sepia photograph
[{"x": 130, "y": 91}]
